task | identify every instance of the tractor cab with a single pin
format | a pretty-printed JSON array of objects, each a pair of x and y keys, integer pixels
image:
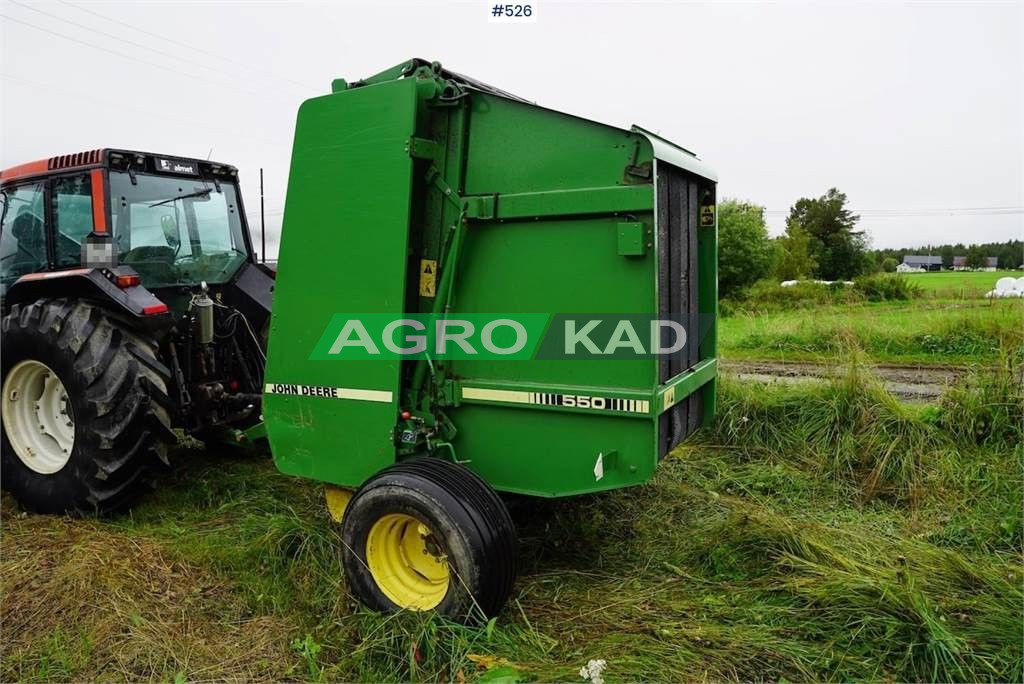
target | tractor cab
[{"x": 176, "y": 222}]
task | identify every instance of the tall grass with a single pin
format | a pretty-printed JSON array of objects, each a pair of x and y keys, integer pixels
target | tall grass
[{"x": 849, "y": 429}]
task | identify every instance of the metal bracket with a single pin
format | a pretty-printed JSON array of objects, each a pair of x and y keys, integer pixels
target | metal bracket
[
  {"x": 435, "y": 178},
  {"x": 422, "y": 148},
  {"x": 480, "y": 206}
]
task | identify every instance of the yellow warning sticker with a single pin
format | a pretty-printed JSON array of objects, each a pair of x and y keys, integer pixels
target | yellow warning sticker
[
  {"x": 668, "y": 399},
  {"x": 707, "y": 215},
  {"x": 428, "y": 278}
]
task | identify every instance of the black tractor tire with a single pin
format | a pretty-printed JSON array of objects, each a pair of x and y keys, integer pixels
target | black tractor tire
[
  {"x": 117, "y": 391},
  {"x": 467, "y": 520}
]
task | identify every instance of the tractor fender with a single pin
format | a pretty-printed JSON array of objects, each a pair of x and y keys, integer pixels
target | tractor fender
[{"x": 98, "y": 285}]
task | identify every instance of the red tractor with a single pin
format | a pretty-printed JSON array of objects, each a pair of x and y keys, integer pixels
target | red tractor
[{"x": 132, "y": 305}]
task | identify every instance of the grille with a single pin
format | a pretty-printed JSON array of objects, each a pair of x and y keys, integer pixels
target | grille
[
  {"x": 66, "y": 161},
  {"x": 677, "y": 209}
]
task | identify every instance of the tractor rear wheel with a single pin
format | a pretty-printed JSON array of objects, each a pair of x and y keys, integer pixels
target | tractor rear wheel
[
  {"x": 429, "y": 535},
  {"x": 85, "y": 411}
]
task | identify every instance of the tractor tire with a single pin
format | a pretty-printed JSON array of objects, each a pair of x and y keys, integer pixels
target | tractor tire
[
  {"x": 85, "y": 411},
  {"x": 428, "y": 534}
]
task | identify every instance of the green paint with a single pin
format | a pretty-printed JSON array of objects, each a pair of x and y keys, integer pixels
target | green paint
[{"x": 523, "y": 210}]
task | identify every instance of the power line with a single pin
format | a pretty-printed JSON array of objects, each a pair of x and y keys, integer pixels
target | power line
[
  {"x": 262, "y": 72},
  {"x": 231, "y": 76},
  {"x": 119, "y": 107},
  {"x": 128, "y": 57}
]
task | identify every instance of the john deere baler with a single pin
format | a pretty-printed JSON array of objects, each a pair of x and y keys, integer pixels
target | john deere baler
[{"x": 476, "y": 295}]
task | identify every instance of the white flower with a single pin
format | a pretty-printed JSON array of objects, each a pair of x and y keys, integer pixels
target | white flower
[{"x": 592, "y": 671}]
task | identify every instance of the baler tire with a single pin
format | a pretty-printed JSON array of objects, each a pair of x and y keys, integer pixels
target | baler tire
[
  {"x": 116, "y": 390},
  {"x": 463, "y": 516}
]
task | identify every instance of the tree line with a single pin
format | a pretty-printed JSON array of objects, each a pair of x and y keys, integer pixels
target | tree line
[{"x": 822, "y": 242}]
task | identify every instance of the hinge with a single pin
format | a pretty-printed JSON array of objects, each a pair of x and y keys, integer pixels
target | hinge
[{"x": 422, "y": 148}]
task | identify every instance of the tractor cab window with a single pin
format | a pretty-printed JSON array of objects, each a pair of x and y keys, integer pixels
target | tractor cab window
[
  {"x": 72, "y": 212},
  {"x": 22, "y": 235},
  {"x": 176, "y": 231}
]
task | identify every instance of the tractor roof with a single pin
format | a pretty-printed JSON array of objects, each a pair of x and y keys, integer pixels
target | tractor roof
[
  {"x": 82, "y": 160},
  {"x": 61, "y": 162}
]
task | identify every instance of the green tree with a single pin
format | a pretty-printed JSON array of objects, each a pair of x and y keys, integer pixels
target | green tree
[
  {"x": 975, "y": 257},
  {"x": 947, "y": 253},
  {"x": 837, "y": 249},
  {"x": 793, "y": 255},
  {"x": 744, "y": 248},
  {"x": 889, "y": 265}
]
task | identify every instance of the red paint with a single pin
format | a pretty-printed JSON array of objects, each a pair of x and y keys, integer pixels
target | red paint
[
  {"x": 99, "y": 202},
  {"x": 23, "y": 170}
]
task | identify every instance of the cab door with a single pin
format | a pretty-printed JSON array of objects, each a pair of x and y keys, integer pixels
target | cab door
[{"x": 23, "y": 244}]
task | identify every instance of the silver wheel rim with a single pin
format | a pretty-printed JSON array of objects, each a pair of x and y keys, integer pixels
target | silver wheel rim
[{"x": 37, "y": 417}]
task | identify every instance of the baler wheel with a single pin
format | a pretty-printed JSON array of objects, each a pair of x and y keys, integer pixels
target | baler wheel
[
  {"x": 428, "y": 534},
  {"x": 84, "y": 408}
]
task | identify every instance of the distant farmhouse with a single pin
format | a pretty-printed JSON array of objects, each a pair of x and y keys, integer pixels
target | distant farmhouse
[
  {"x": 917, "y": 263},
  {"x": 960, "y": 264}
]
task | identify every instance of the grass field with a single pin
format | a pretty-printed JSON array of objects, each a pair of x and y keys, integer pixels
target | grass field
[
  {"x": 926, "y": 331},
  {"x": 816, "y": 533},
  {"x": 959, "y": 284}
]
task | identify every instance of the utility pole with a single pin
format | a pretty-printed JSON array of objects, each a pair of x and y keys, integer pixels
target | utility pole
[{"x": 263, "y": 225}]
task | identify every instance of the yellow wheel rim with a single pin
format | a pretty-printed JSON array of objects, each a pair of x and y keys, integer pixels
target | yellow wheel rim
[{"x": 407, "y": 562}]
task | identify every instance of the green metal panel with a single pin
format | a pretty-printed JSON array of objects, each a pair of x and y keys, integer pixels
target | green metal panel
[
  {"x": 554, "y": 453},
  {"x": 345, "y": 238},
  {"x": 520, "y": 148}
]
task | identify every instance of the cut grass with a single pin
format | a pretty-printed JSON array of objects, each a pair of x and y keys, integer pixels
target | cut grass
[
  {"x": 765, "y": 551},
  {"x": 918, "y": 332}
]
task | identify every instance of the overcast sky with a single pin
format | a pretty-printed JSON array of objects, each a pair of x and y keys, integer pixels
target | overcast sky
[{"x": 913, "y": 109}]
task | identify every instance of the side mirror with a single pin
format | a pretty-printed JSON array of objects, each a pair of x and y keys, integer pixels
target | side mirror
[
  {"x": 3, "y": 208},
  {"x": 170, "y": 228}
]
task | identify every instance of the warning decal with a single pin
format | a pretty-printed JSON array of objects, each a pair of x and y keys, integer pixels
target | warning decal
[
  {"x": 428, "y": 278},
  {"x": 707, "y": 215}
]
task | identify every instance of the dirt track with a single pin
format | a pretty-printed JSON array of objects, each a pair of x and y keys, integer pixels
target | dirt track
[{"x": 913, "y": 383}]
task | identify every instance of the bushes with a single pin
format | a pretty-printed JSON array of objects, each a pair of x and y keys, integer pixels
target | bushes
[
  {"x": 768, "y": 296},
  {"x": 881, "y": 288}
]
